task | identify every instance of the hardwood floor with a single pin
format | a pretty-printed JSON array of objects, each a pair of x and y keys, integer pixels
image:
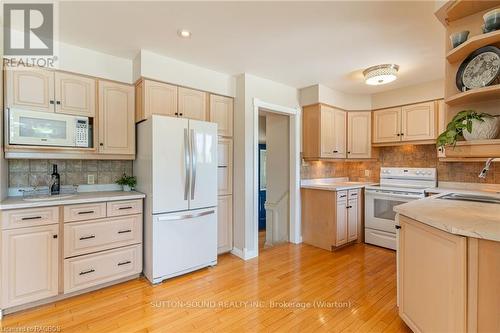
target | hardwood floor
[{"x": 269, "y": 294}]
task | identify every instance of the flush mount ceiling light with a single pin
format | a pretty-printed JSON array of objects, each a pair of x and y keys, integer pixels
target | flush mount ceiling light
[
  {"x": 184, "y": 33},
  {"x": 381, "y": 74}
]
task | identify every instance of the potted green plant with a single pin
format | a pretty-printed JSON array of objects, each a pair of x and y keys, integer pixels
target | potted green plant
[
  {"x": 471, "y": 126},
  {"x": 127, "y": 182}
]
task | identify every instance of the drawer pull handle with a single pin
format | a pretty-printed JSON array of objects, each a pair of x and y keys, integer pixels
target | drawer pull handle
[
  {"x": 222, "y": 166},
  {"x": 343, "y": 196},
  {"x": 128, "y": 207},
  {"x": 31, "y": 218},
  {"x": 87, "y": 271},
  {"x": 124, "y": 263},
  {"x": 86, "y": 212},
  {"x": 87, "y": 237},
  {"x": 124, "y": 231}
]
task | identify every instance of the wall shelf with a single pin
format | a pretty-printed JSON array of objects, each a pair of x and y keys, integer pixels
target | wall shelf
[
  {"x": 462, "y": 51},
  {"x": 474, "y": 149},
  {"x": 455, "y": 10},
  {"x": 475, "y": 95}
]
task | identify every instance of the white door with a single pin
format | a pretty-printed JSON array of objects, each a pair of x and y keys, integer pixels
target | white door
[
  {"x": 352, "y": 220},
  {"x": 171, "y": 162},
  {"x": 419, "y": 122},
  {"x": 387, "y": 125},
  {"x": 183, "y": 242},
  {"x": 203, "y": 185},
  {"x": 29, "y": 264},
  {"x": 341, "y": 223},
  {"x": 359, "y": 134}
]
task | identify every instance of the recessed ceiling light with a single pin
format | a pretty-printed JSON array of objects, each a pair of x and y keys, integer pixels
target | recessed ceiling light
[
  {"x": 381, "y": 74},
  {"x": 184, "y": 33}
]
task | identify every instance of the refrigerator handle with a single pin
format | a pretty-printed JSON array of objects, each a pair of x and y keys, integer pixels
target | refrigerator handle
[
  {"x": 186, "y": 163},
  {"x": 185, "y": 217},
  {"x": 193, "y": 166}
]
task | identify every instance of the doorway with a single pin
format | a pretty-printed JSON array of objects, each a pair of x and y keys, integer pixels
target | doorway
[{"x": 274, "y": 178}]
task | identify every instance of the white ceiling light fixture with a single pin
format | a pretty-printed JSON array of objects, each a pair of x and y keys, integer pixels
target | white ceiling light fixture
[
  {"x": 184, "y": 33},
  {"x": 381, "y": 74}
]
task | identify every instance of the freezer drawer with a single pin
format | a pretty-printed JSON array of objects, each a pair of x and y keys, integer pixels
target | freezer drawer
[
  {"x": 184, "y": 242},
  {"x": 380, "y": 238}
]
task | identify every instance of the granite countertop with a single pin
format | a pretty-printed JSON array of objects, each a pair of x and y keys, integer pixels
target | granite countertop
[
  {"x": 465, "y": 218},
  {"x": 82, "y": 197},
  {"x": 332, "y": 184}
]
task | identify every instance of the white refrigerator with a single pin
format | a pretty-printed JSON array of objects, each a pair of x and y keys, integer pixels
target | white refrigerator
[{"x": 176, "y": 167}]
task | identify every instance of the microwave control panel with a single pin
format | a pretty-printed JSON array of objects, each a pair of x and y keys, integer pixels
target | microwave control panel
[{"x": 82, "y": 133}]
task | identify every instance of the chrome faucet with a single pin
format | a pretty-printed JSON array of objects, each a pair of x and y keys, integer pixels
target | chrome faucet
[{"x": 486, "y": 168}]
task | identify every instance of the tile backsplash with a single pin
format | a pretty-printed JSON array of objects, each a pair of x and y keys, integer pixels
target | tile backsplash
[
  {"x": 422, "y": 156},
  {"x": 73, "y": 172}
]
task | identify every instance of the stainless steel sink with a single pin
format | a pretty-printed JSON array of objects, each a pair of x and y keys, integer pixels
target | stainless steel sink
[{"x": 471, "y": 197}]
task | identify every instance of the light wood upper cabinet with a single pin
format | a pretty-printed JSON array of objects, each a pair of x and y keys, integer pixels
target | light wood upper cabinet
[
  {"x": 221, "y": 112},
  {"x": 116, "y": 118},
  {"x": 359, "y": 141},
  {"x": 29, "y": 264},
  {"x": 192, "y": 104},
  {"x": 387, "y": 125},
  {"x": 224, "y": 223},
  {"x": 30, "y": 89},
  {"x": 432, "y": 271},
  {"x": 419, "y": 122},
  {"x": 75, "y": 94},
  {"x": 155, "y": 98}
]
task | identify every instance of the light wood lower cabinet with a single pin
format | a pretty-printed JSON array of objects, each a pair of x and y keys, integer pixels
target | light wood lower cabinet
[
  {"x": 30, "y": 264},
  {"x": 224, "y": 223},
  {"x": 330, "y": 219}
]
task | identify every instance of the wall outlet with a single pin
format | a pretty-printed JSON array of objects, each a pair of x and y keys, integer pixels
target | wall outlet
[
  {"x": 368, "y": 173},
  {"x": 90, "y": 179}
]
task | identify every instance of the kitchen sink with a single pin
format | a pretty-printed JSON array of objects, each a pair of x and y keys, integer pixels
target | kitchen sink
[
  {"x": 47, "y": 197},
  {"x": 471, "y": 197}
]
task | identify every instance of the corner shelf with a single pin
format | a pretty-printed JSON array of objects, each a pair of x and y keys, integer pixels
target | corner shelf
[
  {"x": 475, "y": 95},
  {"x": 455, "y": 10},
  {"x": 462, "y": 51},
  {"x": 474, "y": 149}
]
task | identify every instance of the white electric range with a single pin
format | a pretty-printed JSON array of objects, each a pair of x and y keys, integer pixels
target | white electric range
[{"x": 397, "y": 186}]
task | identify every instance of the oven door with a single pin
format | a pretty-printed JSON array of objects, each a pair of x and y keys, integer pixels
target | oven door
[
  {"x": 41, "y": 128},
  {"x": 379, "y": 212}
]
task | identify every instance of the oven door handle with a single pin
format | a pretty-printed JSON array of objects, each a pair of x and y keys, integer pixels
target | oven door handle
[{"x": 392, "y": 195}]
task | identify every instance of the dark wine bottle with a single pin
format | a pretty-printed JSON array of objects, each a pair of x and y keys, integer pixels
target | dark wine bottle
[{"x": 56, "y": 181}]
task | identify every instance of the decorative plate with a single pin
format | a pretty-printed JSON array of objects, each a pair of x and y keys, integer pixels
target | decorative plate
[{"x": 481, "y": 68}]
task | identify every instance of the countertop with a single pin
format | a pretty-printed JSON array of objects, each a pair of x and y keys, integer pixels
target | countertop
[
  {"x": 465, "y": 218},
  {"x": 82, "y": 197},
  {"x": 332, "y": 184}
]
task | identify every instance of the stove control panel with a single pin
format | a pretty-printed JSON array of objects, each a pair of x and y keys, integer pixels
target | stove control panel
[{"x": 410, "y": 173}]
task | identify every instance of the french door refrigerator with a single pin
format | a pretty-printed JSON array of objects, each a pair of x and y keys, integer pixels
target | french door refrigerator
[{"x": 176, "y": 167}]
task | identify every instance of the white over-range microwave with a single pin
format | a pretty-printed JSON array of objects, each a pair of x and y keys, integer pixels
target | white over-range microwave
[{"x": 36, "y": 128}]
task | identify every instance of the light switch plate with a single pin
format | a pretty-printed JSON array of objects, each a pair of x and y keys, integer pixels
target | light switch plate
[{"x": 90, "y": 179}]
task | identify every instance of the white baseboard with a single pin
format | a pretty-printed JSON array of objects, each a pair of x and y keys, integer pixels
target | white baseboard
[{"x": 244, "y": 254}]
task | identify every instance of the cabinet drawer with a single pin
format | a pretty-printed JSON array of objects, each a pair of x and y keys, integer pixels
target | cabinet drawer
[
  {"x": 94, "y": 269},
  {"x": 341, "y": 195},
  {"x": 126, "y": 207},
  {"x": 89, "y": 236},
  {"x": 353, "y": 194},
  {"x": 84, "y": 212},
  {"x": 19, "y": 218}
]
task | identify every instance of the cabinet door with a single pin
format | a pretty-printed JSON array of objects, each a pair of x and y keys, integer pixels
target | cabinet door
[
  {"x": 339, "y": 134},
  {"x": 29, "y": 264},
  {"x": 159, "y": 98},
  {"x": 224, "y": 223},
  {"x": 432, "y": 270},
  {"x": 225, "y": 166},
  {"x": 419, "y": 122},
  {"x": 116, "y": 118},
  {"x": 387, "y": 125},
  {"x": 333, "y": 132},
  {"x": 192, "y": 104},
  {"x": 30, "y": 89},
  {"x": 359, "y": 143},
  {"x": 139, "y": 100},
  {"x": 341, "y": 223},
  {"x": 75, "y": 94},
  {"x": 221, "y": 112},
  {"x": 352, "y": 220}
]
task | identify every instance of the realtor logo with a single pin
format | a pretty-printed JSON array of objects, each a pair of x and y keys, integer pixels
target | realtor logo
[{"x": 29, "y": 29}]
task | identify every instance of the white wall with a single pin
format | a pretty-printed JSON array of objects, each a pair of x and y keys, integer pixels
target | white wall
[
  {"x": 155, "y": 66},
  {"x": 85, "y": 61},
  {"x": 407, "y": 95},
  {"x": 249, "y": 87},
  {"x": 322, "y": 94}
]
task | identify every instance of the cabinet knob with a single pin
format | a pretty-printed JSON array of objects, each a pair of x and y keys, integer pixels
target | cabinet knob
[
  {"x": 348, "y": 152},
  {"x": 399, "y": 134},
  {"x": 58, "y": 102},
  {"x": 54, "y": 236},
  {"x": 402, "y": 134},
  {"x": 335, "y": 151},
  {"x": 180, "y": 114},
  {"x": 51, "y": 102},
  {"x": 397, "y": 227},
  {"x": 177, "y": 113},
  {"x": 101, "y": 144}
]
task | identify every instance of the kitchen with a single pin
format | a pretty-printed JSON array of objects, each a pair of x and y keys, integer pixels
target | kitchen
[{"x": 130, "y": 174}]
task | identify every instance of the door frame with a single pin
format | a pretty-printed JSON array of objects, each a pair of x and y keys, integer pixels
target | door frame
[{"x": 294, "y": 114}]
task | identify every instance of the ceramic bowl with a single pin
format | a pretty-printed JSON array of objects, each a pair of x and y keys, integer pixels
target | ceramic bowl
[
  {"x": 458, "y": 38},
  {"x": 492, "y": 20}
]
